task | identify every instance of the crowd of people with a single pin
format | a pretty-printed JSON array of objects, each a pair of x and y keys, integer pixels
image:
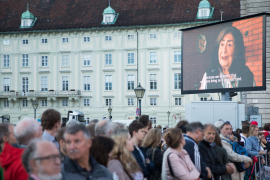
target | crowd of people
[{"x": 103, "y": 150}]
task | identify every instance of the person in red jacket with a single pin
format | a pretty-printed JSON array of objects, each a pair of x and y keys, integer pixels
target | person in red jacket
[{"x": 266, "y": 130}]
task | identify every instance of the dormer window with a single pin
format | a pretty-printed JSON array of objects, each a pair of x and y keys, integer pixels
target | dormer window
[
  {"x": 109, "y": 16},
  {"x": 27, "y": 20},
  {"x": 205, "y": 10}
]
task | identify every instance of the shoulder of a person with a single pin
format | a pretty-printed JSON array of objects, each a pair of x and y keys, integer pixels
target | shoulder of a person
[{"x": 114, "y": 163}]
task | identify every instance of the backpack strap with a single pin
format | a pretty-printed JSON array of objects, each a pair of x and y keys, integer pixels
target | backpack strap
[
  {"x": 169, "y": 164},
  {"x": 153, "y": 154}
]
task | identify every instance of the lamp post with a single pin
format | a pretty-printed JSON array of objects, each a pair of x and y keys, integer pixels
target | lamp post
[
  {"x": 139, "y": 91},
  {"x": 35, "y": 105},
  {"x": 168, "y": 113},
  {"x": 110, "y": 111}
]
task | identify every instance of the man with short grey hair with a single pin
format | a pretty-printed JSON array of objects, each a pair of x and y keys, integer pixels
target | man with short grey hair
[
  {"x": 41, "y": 159},
  {"x": 104, "y": 128},
  {"x": 79, "y": 164},
  {"x": 194, "y": 135},
  {"x": 25, "y": 130}
]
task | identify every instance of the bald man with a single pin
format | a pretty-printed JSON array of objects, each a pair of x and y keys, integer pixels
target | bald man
[{"x": 41, "y": 159}]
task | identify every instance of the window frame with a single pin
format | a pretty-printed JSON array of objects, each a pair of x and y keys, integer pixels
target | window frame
[
  {"x": 46, "y": 61},
  {"x": 107, "y": 84},
  {"x": 129, "y": 37},
  {"x": 109, "y": 60},
  {"x": 6, "y": 103},
  {"x": 65, "y": 40},
  {"x": 65, "y": 84},
  {"x": 176, "y": 103},
  {"x": 153, "y": 83},
  {"x": 65, "y": 102},
  {"x": 129, "y": 58},
  {"x": 65, "y": 61},
  {"x": 86, "y": 39},
  {"x": 6, "y": 60},
  {"x": 86, "y": 60},
  {"x": 25, "y": 60},
  {"x": 6, "y": 87},
  {"x": 130, "y": 83},
  {"x": 152, "y": 59},
  {"x": 108, "y": 38},
  {"x": 130, "y": 102},
  {"x": 45, "y": 40},
  {"x": 177, "y": 56},
  {"x": 177, "y": 81},
  {"x": 24, "y": 103},
  {"x": 86, "y": 83},
  {"x": 153, "y": 119},
  {"x": 44, "y": 86},
  {"x": 152, "y": 35},
  {"x": 5, "y": 42},
  {"x": 153, "y": 101},
  {"x": 86, "y": 102},
  {"x": 25, "y": 86},
  {"x": 44, "y": 103},
  {"x": 109, "y": 102},
  {"x": 25, "y": 41},
  {"x": 177, "y": 34}
]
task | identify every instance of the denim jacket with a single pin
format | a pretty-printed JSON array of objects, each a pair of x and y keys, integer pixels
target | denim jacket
[{"x": 252, "y": 146}]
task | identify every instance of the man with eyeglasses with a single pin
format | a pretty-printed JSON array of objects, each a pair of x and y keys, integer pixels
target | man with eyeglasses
[
  {"x": 225, "y": 133},
  {"x": 41, "y": 159}
]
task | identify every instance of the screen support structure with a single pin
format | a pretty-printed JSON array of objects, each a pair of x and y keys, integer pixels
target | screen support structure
[{"x": 225, "y": 96}]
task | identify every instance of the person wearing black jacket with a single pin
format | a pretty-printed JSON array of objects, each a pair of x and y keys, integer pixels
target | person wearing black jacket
[{"x": 209, "y": 156}]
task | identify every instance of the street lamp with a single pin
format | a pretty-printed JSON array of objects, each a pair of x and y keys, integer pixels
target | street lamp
[
  {"x": 110, "y": 111},
  {"x": 35, "y": 105},
  {"x": 168, "y": 117},
  {"x": 139, "y": 91}
]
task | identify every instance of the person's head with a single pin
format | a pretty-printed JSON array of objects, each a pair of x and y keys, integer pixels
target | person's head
[
  {"x": 122, "y": 149},
  {"x": 253, "y": 130},
  {"x": 26, "y": 130},
  {"x": 266, "y": 127},
  {"x": 101, "y": 149},
  {"x": 118, "y": 125},
  {"x": 245, "y": 129},
  {"x": 7, "y": 134},
  {"x": 144, "y": 119},
  {"x": 196, "y": 131},
  {"x": 91, "y": 128},
  {"x": 218, "y": 139},
  {"x": 261, "y": 135},
  {"x": 237, "y": 135},
  {"x": 51, "y": 120},
  {"x": 153, "y": 138},
  {"x": 159, "y": 127},
  {"x": 181, "y": 124},
  {"x": 219, "y": 123},
  {"x": 61, "y": 140},
  {"x": 229, "y": 52},
  {"x": 226, "y": 129},
  {"x": 94, "y": 121},
  {"x": 78, "y": 142},
  {"x": 238, "y": 130},
  {"x": 42, "y": 158},
  {"x": 210, "y": 133},
  {"x": 136, "y": 130},
  {"x": 174, "y": 138},
  {"x": 104, "y": 128}
]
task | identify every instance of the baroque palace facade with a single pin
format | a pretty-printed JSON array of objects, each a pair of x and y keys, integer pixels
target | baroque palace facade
[{"x": 87, "y": 56}]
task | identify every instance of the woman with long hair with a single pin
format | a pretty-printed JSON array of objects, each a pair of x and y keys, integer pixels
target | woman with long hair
[
  {"x": 150, "y": 145},
  {"x": 177, "y": 164},
  {"x": 228, "y": 67},
  {"x": 122, "y": 161}
]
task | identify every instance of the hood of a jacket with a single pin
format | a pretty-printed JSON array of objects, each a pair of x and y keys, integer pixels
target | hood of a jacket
[{"x": 9, "y": 155}]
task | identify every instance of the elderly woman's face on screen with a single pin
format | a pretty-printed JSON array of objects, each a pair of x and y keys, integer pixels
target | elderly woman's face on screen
[{"x": 226, "y": 51}]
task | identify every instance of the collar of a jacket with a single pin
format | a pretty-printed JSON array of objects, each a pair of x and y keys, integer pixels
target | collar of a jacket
[
  {"x": 72, "y": 167},
  {"x": 254, "y": 138},
  {"x": 206, "y": 143},
  {"x": 187, "y": 136}
]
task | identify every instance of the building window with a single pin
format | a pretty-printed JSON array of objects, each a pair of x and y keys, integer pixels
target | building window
[
  {"x": 44, "y": 41},
  {"x": 130, "y": 37},
  {"x": 153, "y": 36},
  {"x": 86, "y": 59},
  {"x": 44, "y": 61},
  {"x": 65, "y": 60},
  {"x": 108, "y": 102},
  {"x": 6, "y": 60},
  {"x": 44, "y": 102},
  {"x": 130, "y": 101},
  {"x": 153, "y": 81},
  {"x": 86, "y": 39},
  {"x": 86, "y": 102},
  {"x": 25, "y": 23},
  {"x": 130, "y": 58},
  {"x": 25, "y": 84},
  {"x": 6, "y": 103},
  {"x": 24, "y": 103},
  {"x": 6, "y": 42},
  {"x": 177, "y": 56},
  {"x": 177, "y": 80},
  {"x": 153, "y": 101},
  {"x": 204, "y": 13},
  {"x": 153, "y": 120},
  {"x": 65, "y": 83},
  {"x": 108, "y": 38},
  {"x": 64, "y": 102},
  {"x": 177, "y": 101},
  {"x": 107, "y": 19},
  {"x": 86, "y": 83},
  {"x": 25, "y": 41},
  {"x": 25, "y": 60},
  {"x": 130, "y": 81},
  {"x": 177, "y": 35},
  {"x": 6, "y": 84},
  {"x": 44, "y": 83},
  {"x": 108, "y": 59},
  {"x": 153, "y": 57},
  {"x": 64, "y": 40},
  {"x": 108, "y": 82},
  {"x": 204, "y": 99}
]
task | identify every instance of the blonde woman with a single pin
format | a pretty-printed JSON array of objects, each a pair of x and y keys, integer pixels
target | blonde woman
[
  {"x": 122, "y": 161},
  {"x": 150, "y": 145}
]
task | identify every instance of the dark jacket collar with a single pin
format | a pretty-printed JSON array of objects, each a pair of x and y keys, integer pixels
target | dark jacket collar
[
  {"x": 187, "y": 136},
  {"x": 206, "y": 143},
  {"x": 72, "y": 166}
]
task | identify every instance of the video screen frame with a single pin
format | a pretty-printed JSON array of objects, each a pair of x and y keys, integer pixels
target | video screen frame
[{"x": 217, "y": 90}]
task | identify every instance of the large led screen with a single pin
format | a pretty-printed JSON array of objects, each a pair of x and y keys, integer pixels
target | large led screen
[{"x": 225, "y": 56}]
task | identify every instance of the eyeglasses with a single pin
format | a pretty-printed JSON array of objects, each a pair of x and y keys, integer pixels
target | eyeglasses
[{"x": 51, "y": 157}]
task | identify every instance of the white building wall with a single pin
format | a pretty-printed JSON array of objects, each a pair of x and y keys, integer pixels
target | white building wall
[{"x": 165, "y": 44}]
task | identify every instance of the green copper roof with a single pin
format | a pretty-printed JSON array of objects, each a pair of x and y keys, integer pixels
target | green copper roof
[
  {"x": 109, "y": 10},
  {"x": 204, "y": 4},
  {"x": 27, "y": 14}
]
